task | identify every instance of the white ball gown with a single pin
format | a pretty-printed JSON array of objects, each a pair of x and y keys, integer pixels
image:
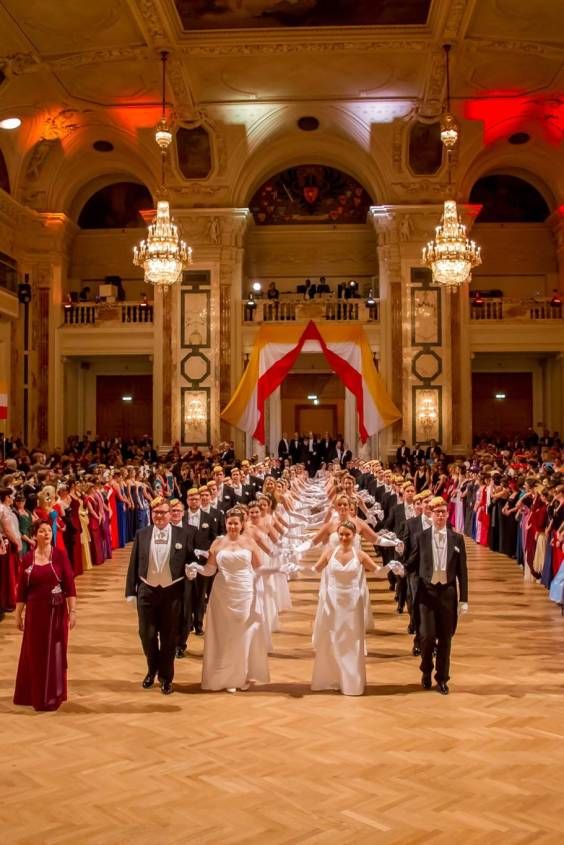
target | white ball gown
[
  {"x": 339, "y": 637},
  {"x": 235, "y": 646}
]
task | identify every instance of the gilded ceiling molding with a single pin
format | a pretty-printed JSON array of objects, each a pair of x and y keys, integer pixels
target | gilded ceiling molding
[
  {"x": 457, "y": 9},
  {"x": 279, "y": 48},
  {"x": 477, "y": 43},
  {"x": 148, "y": 11}
]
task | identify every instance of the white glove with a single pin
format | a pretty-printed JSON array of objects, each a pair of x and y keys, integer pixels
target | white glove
[
  {"x": 462, "y": 607},
  {"x": 304, "y": 547},
  {"x": 192, "y": 569},
  {"x": 396, "y": 567},
  {"x": 201, "y": 553},
  {"x": 131, "y": 599},
  {"x": 399, "y": 547}
]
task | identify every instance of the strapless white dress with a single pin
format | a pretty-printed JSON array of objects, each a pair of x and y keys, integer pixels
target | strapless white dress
[
  {"x": 339, "y": 658},
  {"x": 235, "y": 647}
]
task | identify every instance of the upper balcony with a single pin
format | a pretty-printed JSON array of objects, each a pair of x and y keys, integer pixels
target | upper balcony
[
  {"x": 92, "y": 328},
  {"x": 516, "y": 324},
  {"x": 292, "y": 308}
]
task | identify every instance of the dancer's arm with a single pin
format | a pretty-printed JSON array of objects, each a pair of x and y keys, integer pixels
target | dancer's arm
[
  {"x": 323, "y": 561},
  {"x": 366, "y": 531}
]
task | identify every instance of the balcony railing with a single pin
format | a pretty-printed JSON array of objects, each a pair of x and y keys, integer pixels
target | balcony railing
[
  {"x": 295, "y": 309},
  {"x": 106, "y": 313},
  {"x": 516, "y": 310}
]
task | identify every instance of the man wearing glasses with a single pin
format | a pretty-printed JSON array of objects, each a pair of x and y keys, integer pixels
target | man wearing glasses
[
  {"x": 155, "y": 579},
  {"x": 439, "y": 559}
]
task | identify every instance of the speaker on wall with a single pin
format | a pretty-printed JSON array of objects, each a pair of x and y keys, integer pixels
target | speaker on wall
[{"x": 24, "y": 291}]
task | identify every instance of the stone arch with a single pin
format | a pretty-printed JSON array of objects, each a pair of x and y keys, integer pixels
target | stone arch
[
  {"x": 276, "y": 156},
  {"x": 507, "y": 198},
  {"x": 115, "y": 206}
]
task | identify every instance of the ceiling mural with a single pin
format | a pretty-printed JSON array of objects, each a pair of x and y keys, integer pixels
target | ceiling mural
[
  {"x": 310, "y": 193},
  {"x": 246, "y": 14}
]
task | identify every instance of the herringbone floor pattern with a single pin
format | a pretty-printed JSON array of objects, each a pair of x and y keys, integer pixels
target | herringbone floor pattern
[{"x": 281, "y": 765}]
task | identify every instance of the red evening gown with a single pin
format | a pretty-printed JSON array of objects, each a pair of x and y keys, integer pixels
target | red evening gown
[
  {"x": 95, "y": 528},
  {"x": 114, "y": 530},
  {"x": 41, "y": 681},
  {"x": 76, "y": 558},
  {"x": 483, "y": 518}
]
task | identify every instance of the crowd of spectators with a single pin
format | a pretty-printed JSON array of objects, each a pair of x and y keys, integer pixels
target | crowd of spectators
[{"x": 96, "y": 493}]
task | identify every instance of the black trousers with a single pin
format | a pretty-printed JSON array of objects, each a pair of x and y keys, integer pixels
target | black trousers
[
  {"x": 187, "y": 610},
  {"x": 437, "y": 606},
  {"x": 159, "y": 609},
  {"x": 412, "y": 606}
]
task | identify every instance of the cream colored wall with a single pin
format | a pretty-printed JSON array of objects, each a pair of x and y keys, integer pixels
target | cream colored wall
[
  {"x": 106, "y": 252},
  {"x": 519, "y": 259},
  {"x": 290, "y": 254}
]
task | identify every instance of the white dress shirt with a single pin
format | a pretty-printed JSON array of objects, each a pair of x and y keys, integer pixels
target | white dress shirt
[
  {"x": 158, "y": 572},
  {"x": 439, "y": 540},
  {"x": 194, "y": 518},
  {"x": 409, "y": 511}
]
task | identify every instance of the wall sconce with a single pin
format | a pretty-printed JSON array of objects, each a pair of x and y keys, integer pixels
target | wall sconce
[
  {"x": 427, "y": 414},
  {"x": 196, "y": 412},
  {"x": 426, "y": 306}
]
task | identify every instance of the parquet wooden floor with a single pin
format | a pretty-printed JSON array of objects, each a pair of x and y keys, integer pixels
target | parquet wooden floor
[{"x": 281, "y": 765}]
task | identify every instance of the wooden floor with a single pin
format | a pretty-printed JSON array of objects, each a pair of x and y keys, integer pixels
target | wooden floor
[{"x": 400, "y": 765}]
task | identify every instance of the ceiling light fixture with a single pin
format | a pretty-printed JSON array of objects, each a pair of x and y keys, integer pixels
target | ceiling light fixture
[
  {"x": 449, "y": 126},
  {"x": 163, "y": 255},
  {"x": 451, "y": 255},
  {"x": 10, "y": 123}
]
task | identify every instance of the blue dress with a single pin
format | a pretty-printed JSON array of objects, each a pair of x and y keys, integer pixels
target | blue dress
[{"x": 557, "y": 587}]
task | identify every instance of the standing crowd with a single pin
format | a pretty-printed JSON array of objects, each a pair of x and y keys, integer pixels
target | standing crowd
[{"x": 199, "y": 519}]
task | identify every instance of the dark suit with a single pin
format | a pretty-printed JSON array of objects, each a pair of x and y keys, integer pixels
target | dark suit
[
  {"x": 246, "y": 495},
  {"x": 159, "y": 608},
  {"x": 411, "y": 529},
  {"x": 326, "y": 450},
  {"x": 296, "y": 451},
  {"x": 403, "y": 454},
  {"x": 284, "y": 449},
  {"x": 196, "y": 595},
  {"x": 227, "y": 499},
  {"x": 438, "y": 603}
]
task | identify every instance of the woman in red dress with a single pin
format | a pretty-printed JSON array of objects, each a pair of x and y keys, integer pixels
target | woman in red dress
[
  {"x": 94, "y": 525},
  {"x": 47, "y": 594}
]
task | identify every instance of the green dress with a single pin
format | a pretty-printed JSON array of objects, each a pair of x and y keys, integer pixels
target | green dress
[{"x": 25, "y": 523}]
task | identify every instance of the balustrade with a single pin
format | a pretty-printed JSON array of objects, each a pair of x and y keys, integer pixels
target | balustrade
[
  {"x": 92, "y": 314},
  {"x": 515, "y": 309},
  {"x": 297, "y": 309}
]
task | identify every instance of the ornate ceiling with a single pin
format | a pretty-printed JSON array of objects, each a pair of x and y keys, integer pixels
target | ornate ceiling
[{"x": 81, "y": 72}]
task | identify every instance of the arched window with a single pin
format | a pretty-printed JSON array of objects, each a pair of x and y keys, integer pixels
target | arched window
[
  {"x": 508, "y": 199},
  {"x": 116, "y": 206},
  {"x": 4, "y": 178},
  {"x": 310, "y": 193}
]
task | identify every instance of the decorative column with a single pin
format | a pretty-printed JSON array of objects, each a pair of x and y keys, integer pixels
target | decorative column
[
  {"x": 425, "y": 352},
  {"x": 351, "y": 423},
  {"x": 197, "y": 334}
]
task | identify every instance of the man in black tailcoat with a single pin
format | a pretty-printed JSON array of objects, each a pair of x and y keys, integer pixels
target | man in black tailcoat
[
  {"x": 155, "y": 580},
  {"x": 439, "y": 559}
]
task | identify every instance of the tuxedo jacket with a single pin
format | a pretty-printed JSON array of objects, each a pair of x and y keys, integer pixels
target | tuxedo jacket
[
  {"x": 247, "y": 494},
  {"x": 421, "y": 560},
  {"x": 296, "y": 451},
  {"x": 283, "y": 448},
  {"x": 396, "y": 519},
  {"x": 403, "y": 454},
  {"x": 389, "y": 500},
  {"x": 227, "y": 499},
  {"x": 204, "y": 533},
  {"x": 218, "y": 519},
  {"x": 181, "y": 552}
]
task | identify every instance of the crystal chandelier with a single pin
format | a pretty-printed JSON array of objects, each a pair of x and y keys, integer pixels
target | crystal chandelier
[
  {"x": 451, "y": 255},
  {"x": 163, "y": 255}
]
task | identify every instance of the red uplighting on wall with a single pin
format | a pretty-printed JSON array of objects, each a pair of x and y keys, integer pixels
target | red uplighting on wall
[
  {"x": 132, "y": 118},
  {"x": 505, "y": 112}
]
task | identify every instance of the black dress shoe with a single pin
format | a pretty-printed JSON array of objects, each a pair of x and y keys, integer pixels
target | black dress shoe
[
  {"x": 199, "y": 632},
  {"x": 442, "y": 688},
  {"x": 399, "y": 609},
  {"x": 166, "y": 687},
  {"x": 180, "y": 652},
  {"x": 426, "y": 682},
  {"x": 416, "y": 651},
  {"x": 148, "y": 681},
  {"x": 410, "y": 629}
]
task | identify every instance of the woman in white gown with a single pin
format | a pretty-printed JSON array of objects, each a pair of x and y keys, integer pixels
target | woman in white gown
[
  {"x": 340, "y": 654},
  {"x": 235, "y": 647}
]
